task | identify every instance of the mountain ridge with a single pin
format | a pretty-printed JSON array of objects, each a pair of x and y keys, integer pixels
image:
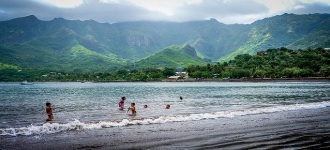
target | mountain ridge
[
  {"x": 172, "y": 56},
  {"x": 119, "y": 44}
]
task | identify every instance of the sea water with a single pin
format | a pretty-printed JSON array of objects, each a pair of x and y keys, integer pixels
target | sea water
[{"x": 89, "y": 106}]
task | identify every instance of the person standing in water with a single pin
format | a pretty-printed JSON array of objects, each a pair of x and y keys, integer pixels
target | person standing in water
[
  {"x": 132, "y": 108},
  {"x": 121, "y": 103},
  {"x": 49, "y": 111}
]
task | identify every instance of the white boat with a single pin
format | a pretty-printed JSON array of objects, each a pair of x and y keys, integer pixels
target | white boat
[{"x": 26, "y": 83}]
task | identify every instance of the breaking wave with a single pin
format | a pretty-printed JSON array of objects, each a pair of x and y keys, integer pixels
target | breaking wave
[{"x": 49, "y": 128}]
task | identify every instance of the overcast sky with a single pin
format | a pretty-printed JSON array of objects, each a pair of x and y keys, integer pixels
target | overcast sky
[{"x": 111, "y": 11}]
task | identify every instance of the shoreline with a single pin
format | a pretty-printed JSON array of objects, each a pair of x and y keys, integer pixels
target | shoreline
[
  {"x": 321, "y": 79},
  {"x": 307, "y": 129},
  {"x": 310, "y": 79}
]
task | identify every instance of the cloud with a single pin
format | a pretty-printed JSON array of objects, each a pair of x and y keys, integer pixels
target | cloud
[
  {"x": 90, "y": 9},
  {"x": 62, "y": 3},
  {"x": 233, "y": 11},
  {"x": 307, "y": 8},
  {"x": 226, "y": 11},
  {"x": 109, "y": 12},
  {"x": 18, "y": 8},
  {"x": 296, "y": 6}
]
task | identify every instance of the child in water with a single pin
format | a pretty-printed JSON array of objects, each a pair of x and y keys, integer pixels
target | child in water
[
  {"x": 132, "y": 108},
  {"x": 121, "y": 103},
  {"x": 49, "y": 111},
  {"x": 167, "y": 106}
]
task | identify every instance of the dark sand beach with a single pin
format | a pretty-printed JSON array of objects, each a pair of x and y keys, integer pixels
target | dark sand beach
[{"x": 299, "y": 129}]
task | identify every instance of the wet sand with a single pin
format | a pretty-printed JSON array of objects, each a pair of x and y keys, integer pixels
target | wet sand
[{"x": 303, "y": 129}]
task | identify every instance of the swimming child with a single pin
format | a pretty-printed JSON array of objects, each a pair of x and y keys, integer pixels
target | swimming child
[
  {"x": 121, "y": 103},
  {"x": 49, "y": 111},
  {"x": 167, "y": 106},
  {"x": 132, "y": 108},
  {"x": 145, "y": 106}
]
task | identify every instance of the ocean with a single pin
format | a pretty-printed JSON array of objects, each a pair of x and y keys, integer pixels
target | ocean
[{"x": 211, "y": 115}]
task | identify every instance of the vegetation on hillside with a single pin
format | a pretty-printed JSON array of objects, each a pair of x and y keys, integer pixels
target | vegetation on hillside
[
  {"x": 272, "y": 63},
  {"x": 28, "y": 42},
  {"x": 172, "y": 56}
]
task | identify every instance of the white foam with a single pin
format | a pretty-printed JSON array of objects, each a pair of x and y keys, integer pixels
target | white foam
[{"x": 49, "y": 128}]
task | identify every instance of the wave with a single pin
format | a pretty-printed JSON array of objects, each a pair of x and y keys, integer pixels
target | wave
[{"x": 49, "y": 128}]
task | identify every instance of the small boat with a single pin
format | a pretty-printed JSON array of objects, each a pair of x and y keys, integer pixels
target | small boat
[{"x": 26, "y": 83}]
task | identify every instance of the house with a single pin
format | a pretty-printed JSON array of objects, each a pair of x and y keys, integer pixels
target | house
[
  {"x": 174, "y": 77},
  {"x": 183, "y": 75},
  {"x": 262, "y": 53},
  {"x": 179, "y": 75}
]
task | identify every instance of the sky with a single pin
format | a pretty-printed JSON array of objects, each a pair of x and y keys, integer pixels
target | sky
[{"x": 112, "y": 11}]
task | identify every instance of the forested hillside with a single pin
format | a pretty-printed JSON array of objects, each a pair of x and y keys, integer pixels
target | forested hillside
[
  {"x": 172, "y": 56},
  {"x": 89, "y": 46},
  {"x": 272, "y": 63}
]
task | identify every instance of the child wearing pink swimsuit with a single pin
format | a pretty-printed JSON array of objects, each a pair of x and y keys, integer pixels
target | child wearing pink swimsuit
[{"x": 121, "y": 103}]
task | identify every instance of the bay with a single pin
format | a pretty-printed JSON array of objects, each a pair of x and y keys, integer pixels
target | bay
[{"x": 22, "y": 107}]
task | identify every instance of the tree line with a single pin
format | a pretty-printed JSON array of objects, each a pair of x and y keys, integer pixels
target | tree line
[{"x": 272, "y": 63}]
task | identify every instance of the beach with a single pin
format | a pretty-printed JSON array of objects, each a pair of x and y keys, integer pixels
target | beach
[
  {"x": 297, "y": 129},
  {"x": 211, "y": 115}
]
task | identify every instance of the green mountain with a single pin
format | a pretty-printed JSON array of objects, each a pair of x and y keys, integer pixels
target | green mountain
[
  {"x": 69, "y": 45},
  {"x": 287, "y": 30},
  {"x": 172, "y": 56}
]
